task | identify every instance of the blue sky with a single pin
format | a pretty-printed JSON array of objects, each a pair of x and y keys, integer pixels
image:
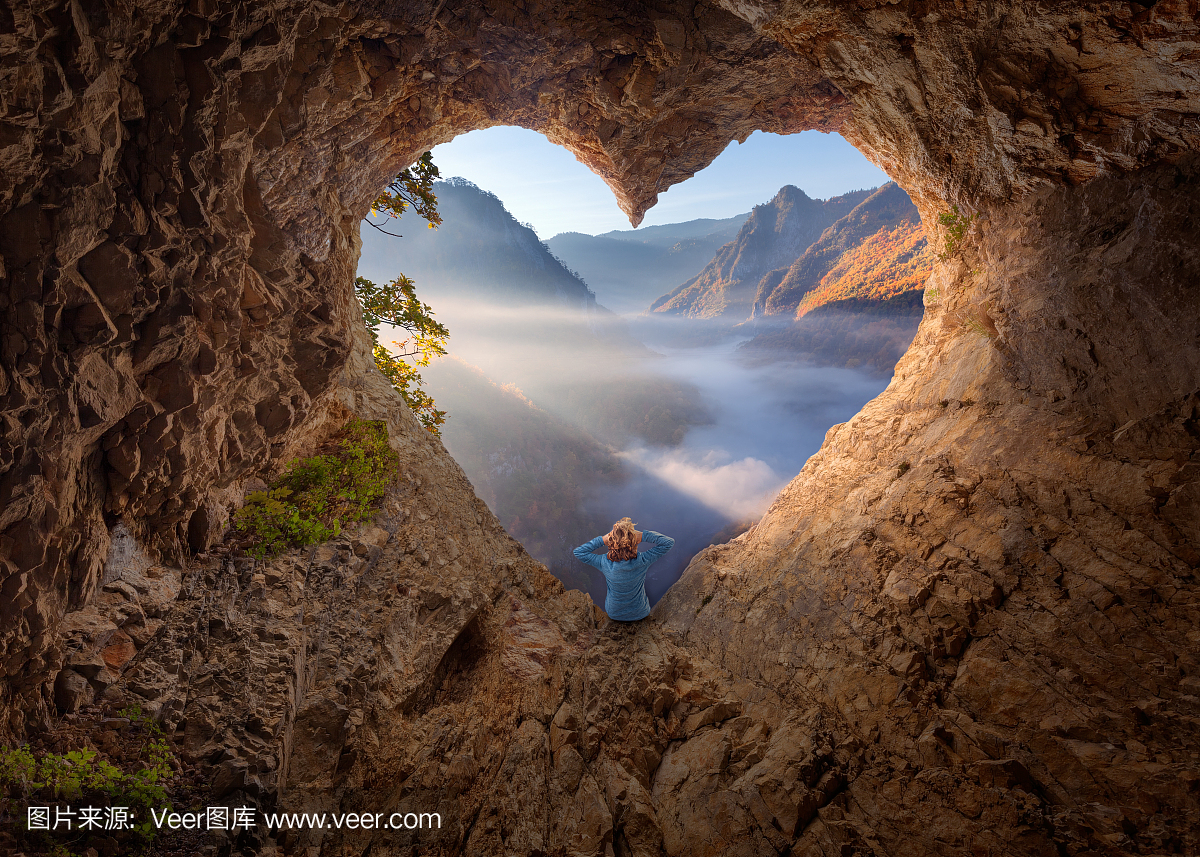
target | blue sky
[{"x": 544, "y": 185}]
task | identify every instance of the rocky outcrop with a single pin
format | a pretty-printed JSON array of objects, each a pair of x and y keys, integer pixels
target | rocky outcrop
[
  {"x": 771, "y": 239},
  {"x": 425, "y": 664},
  {"x": 968, "y": 626},
  {"x": 182, "y": 186},
  {"x": 103, "y": 639},
  {"x": 875, "y": 252}
]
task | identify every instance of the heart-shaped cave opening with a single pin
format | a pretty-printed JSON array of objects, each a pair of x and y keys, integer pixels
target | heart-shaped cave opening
[{"x": 965, "y": 621}]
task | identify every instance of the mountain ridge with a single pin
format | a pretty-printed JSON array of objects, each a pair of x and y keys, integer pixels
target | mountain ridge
[
  {"x": 775, "y": 234},
  {"x": 884, "y": 231},
  {"x": 671, "y": 233},
  {"x": 480, "y": 248},
  {"x": 630, "y": 268}
]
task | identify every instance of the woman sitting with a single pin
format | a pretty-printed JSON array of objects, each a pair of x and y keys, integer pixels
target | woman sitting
[{"x": 624, "y": 568}]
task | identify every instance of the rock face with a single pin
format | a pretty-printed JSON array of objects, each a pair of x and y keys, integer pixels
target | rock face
[
  {"x": 770, "y": 240},
  {"x": 988, "y": 577},
  {"x": 969, "y": 625},
  {"x": 875, "y": 252}
]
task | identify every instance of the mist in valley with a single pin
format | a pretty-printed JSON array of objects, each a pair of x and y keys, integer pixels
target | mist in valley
[
  {"x": 691, "y": 442},
  {"x": 567, "y": 416},
  {"x": 765, "y": 423}
]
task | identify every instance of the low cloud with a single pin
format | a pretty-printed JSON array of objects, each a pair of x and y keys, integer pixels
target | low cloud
[{"x": 738, "y": 489}]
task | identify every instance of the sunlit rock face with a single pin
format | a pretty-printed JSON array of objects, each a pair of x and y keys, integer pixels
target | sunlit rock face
[
  {"x": 179, "y": 202},
  {"x": 992, "y": 567},
  {"x": 998, "y": 637}
]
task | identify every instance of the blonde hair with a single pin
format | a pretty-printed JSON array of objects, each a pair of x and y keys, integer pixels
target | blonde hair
[{"x": 622, "y": 542}]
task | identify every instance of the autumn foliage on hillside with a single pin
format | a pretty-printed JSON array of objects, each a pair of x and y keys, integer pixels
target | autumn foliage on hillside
[
  {"x": 889, "y": 263},
  {"x": 854, "y": 299},
  {"x": 774, "y": 235}
]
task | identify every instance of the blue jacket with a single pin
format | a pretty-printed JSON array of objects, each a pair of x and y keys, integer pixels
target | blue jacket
[{"x": 626, "y": 600}]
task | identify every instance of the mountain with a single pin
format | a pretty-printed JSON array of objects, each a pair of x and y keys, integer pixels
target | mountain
[
  {"x": 723, "y": 231},
  {"x": 773, "y": 236},
  {"x": 875, "y": 252},
  {"x": 855, "y": 297},
  {"x": 483, "y": 271},
  {"x": 629, "y": 268},
  {"x": 479, "y": 252},
  {"x": 520, "y": 314}
]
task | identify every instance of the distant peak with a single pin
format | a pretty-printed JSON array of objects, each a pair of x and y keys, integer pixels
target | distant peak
[
  {"x": 790, "y": 190},
  {"x": 458, "y": 181}
]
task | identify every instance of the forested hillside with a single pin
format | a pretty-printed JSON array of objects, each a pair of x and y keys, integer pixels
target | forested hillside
[
  {"x": 522, "y": 316},
  {"x": 774, "y": 236},
  {"x": 854, "y": 298},
  {"x": 479, "y": 251},
  {"x": 874, "y": 253},
  {"x": 853, "y": 333}
]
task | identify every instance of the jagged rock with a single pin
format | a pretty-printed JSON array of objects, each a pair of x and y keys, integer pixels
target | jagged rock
[
  {"x": 177, "y": 301},
  {"x": 179, "y": 202},
  {"x": 993, "y": 632},
  {"x": 71, "y": 691}
]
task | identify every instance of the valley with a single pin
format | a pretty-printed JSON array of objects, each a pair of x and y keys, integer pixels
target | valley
[
  {"x": 968, "y": 625},
  {"x": 687, "y": 409}
]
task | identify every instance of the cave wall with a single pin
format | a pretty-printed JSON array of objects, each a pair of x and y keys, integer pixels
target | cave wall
[
  {"x": 181, "y": 190},
  {"x": 993, "y": 566},
  {"x": 968, "y": 626},
  {"x": 182, "y": 184}
]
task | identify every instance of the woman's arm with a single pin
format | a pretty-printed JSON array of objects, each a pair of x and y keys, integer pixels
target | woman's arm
[
  {"x": 661, "y": 543},
  {"x": 586, "y": 552}
]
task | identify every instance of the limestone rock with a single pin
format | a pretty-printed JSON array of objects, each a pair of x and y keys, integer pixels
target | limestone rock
[
  {"x": 181, "y": 193},
  {"x": 71, "y": 691},
  {"x": 995, "y": 625},
  {"x": 992, "y": 650}
]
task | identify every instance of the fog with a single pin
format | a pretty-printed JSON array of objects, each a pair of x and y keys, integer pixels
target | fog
[
  {"x": 767, "y": 421},
  {"x": 724, "y": 439}
]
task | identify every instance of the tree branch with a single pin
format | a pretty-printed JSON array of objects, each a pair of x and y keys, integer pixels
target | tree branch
[{"x": 384, "y": 231}]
